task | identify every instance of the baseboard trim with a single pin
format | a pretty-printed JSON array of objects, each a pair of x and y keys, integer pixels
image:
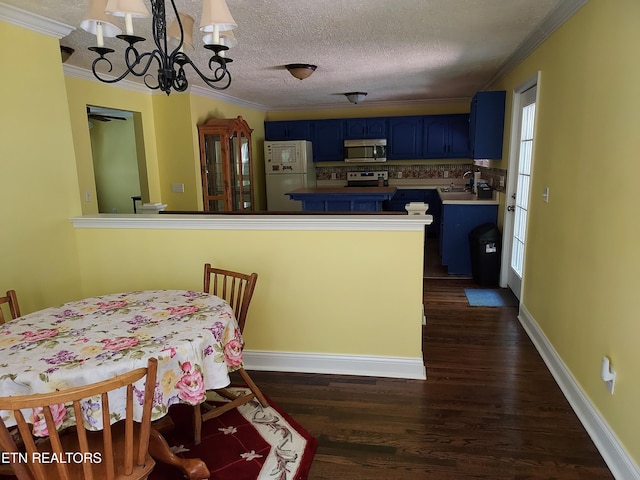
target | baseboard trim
[
  {"x": 394, "y": 367},
  {"x": 614, "y": 454}
]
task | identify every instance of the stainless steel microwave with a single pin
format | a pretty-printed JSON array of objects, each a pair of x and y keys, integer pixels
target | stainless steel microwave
[{"x": 365, "y": 151}]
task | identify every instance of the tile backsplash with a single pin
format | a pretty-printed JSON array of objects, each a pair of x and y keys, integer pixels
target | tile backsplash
[{"x": 427, "y": 172}]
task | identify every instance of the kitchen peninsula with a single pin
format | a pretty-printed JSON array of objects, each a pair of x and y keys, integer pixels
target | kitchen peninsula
[{"x": 342, "y": 199}]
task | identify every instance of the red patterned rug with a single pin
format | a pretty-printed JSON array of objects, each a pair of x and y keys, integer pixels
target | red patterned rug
[{"x": 247, "y": 443}]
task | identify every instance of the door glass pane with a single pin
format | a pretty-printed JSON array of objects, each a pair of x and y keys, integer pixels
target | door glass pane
[
  {"x": 524, "y": 181},
  {"x": 213, "y": 172}
]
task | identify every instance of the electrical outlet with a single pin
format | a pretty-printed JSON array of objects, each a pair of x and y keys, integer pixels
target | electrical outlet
[
  {"x": 399, "y": 175},
  {"x": 545, "y": 195},
  {"x": 87, "y": 196},
  {"x": 446, "y": 174},
  {"x": 502, "y": 181},
  {"x": 334, "y": 176},
  {"x": 177, "y": 187}
]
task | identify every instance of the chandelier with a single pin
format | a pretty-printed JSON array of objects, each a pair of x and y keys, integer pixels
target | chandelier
[{"x": 168, "y": 57}]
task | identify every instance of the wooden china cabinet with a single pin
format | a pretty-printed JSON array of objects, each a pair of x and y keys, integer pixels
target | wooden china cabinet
[{"x": 225, "y": 165}]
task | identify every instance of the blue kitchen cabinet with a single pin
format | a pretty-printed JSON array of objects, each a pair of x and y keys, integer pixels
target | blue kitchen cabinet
[
  {"x": 345, "y": 199},
  {"x": 486, "y": 125},
  {"x": 328, "y": 140},
  {"x": 457, "y": 222},
  {"x": 357, "y": 128},
  {"x": 405, "y": 138},
  {"x": 288, "y": 130},
  {"x": 445, "y": 136}
]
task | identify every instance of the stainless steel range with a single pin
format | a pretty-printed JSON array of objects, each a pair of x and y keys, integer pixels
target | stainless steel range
[{"x": 368, "y": 179}]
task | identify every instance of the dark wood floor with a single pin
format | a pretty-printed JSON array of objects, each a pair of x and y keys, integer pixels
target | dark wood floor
[{"x": 488, "y": 409}]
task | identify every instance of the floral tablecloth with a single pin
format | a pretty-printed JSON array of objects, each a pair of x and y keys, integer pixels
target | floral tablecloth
[{"x": 194, "y": 336}]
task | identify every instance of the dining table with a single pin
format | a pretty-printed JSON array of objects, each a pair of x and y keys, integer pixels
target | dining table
[{"x": 194, "y": 336}]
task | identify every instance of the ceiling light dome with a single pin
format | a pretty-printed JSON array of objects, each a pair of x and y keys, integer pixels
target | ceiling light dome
[
  {"x": 301, "y": 70},
  {"x": 355, "y": 97}
]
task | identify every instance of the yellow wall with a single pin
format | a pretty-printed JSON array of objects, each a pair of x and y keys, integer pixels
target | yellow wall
[
  {"x": 38, "y": 181},
  {"x": 582, "y": 256},
  {"x": 348, "y": 302},
  {"x": 115, "y": 164}
]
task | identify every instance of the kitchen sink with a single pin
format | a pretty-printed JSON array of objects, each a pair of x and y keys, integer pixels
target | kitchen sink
[
  {"x": 457, "y": 193},
  {"x": 454, "y": 189}
]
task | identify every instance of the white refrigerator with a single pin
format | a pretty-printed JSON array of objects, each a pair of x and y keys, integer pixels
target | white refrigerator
[{"x": 288, "y": 165}]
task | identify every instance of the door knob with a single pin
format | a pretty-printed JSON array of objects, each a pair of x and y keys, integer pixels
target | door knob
[{"x": 511, "y": 208}]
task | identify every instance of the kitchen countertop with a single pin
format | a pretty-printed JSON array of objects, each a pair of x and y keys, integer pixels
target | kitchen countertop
[
  {"x": 338, "y": 186},
  {"x": 344, "y": 190}
]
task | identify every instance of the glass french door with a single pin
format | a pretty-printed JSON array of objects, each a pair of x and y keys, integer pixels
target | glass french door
[{"x": 520, "y": 208}]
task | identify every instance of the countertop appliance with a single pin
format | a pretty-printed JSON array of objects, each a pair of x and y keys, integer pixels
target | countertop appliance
[
  {"x": 365, "y": 151},
  {"x": 288, "y": 166},
  {"x": 368, "y": 179}
]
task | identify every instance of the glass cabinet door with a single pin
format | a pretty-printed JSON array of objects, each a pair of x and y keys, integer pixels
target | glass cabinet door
[
  {"x": 240, "y": 172},
  {"x": 212, "y": 174}
]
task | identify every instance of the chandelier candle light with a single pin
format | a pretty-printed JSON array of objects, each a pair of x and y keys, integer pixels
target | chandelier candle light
[{"x": 168, "y": 56}]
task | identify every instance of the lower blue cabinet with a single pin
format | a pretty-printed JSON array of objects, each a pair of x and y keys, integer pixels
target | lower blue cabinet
[{"x": 457, "y": 222}]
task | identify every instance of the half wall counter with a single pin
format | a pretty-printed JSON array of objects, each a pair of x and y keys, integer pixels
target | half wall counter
[{"x": 312, "y": 310}]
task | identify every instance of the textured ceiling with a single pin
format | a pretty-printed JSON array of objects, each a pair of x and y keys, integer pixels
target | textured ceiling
[{"x": 396, "y": 50}]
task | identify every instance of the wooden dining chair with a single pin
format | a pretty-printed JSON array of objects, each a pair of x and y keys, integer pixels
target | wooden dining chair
[
  {"x": 118, "y": 451},
  {"x": 12, "y": 303},
  {"x": 236, "y": 289}
]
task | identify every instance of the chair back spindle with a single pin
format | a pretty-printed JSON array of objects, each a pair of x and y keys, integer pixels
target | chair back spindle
[
  {"x": 234, "y": 287},
  {"x": 11, "y": 300}
]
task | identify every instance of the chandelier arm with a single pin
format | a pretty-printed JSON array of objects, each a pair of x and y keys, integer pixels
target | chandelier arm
[
  {"x": 130, "y": 69},
  {"x": 219, "y": 73}
]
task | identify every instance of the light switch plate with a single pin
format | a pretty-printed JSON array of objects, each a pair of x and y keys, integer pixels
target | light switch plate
[
  {"x": 177, "y": 187},
  {"x": 545, "y": 195}
]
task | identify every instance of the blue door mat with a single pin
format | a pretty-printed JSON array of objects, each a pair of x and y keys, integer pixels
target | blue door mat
[{"x": 487, "y": 297}]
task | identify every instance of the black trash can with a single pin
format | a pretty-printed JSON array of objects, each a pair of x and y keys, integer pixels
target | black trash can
[{"x": 485, "y": 242}]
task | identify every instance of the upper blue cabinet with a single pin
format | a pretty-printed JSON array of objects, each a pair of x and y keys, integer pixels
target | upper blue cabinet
[
  {"x": 288, "y": 130},
  {"x": 357, "y": 128},
  {"x": 486, "y": 125},
  {"x": 445, "y": 136},
  {"x": 405, "y": 138},
  {"x": 328, "y": 140},
  {"x": 428, "y": 136}
]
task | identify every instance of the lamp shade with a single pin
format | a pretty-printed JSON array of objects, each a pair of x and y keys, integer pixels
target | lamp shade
[
  {"x": 187, "y": 28},
  {"x": 96, "y": 14},
  {"x": 355, "y": 97},
  {"x": 120, "y": 8},
  {"x": 301, "y": 70},
  {"x": 216, "y": 13},
  {"x": 227, "y": 38}
]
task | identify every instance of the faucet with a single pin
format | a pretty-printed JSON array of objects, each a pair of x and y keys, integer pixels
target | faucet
[{"x": 470, "y": 173}]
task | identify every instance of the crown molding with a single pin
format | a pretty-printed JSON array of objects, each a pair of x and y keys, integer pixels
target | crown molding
[
  {"x": 544, "y": 30},
  {"x": 368, "y": 104},
  {"x": 217, "y": 95},
  {"x": 34, "y": 22}
]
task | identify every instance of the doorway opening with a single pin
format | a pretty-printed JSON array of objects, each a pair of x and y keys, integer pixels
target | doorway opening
[{"x": 119, "y": 163}]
